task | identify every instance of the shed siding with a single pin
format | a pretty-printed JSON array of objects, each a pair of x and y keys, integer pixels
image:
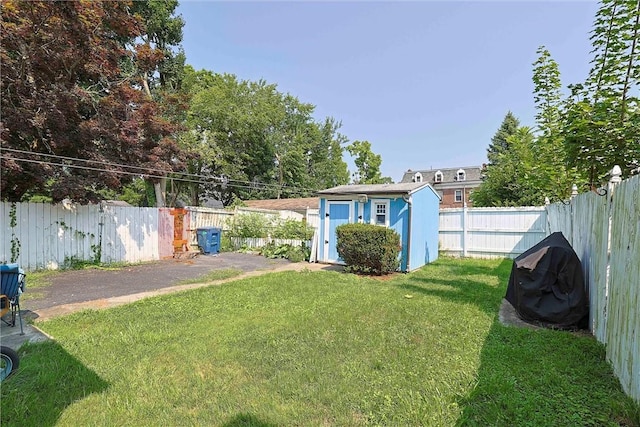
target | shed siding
[
  {"x": 417, "y": 250},
  {"x": 424, "y": 229}
]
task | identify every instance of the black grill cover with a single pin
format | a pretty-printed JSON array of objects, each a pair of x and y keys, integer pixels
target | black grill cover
[{"x": 547, "y": 286}]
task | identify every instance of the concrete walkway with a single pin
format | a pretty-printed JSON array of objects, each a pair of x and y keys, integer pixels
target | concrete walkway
[{"x": 11, "y": 337}]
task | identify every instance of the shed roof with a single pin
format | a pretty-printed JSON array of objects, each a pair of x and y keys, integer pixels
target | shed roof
[
  {"x": 401, "y": 188},
  {"x": 285, "y": 204}
]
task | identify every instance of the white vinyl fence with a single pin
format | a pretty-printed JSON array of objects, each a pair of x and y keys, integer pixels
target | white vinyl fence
[{"x": 491, "y": 232}]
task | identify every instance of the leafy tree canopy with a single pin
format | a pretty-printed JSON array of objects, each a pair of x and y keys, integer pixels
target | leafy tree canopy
[
  {"x": 71, "y": 90},
  {"x": 368, "y": 164},
  {"x": 255, "y": 142}
]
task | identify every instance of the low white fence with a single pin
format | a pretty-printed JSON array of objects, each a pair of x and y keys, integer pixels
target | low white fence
[{"x": 239, "y": 242}]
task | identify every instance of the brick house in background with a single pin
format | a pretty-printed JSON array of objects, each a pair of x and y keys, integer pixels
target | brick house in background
[{"x": 454, "y": 185}]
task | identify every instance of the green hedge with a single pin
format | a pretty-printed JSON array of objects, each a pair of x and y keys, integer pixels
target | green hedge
[{"x": 367, "y": 248}]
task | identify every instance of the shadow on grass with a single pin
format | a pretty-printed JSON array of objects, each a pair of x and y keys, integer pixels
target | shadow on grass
[
  {"x": 545, "y": 377},
  {"x": 527, "y": 377},
  {"x": 467, "y": 290},
  {"x": 246, "y": 420},
  {"x": 49, "y": 379}
]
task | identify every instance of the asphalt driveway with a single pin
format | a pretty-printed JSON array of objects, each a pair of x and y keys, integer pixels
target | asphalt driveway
[
  {"x": 78, "y": 286},
  {"x": 71, "y": 291}
]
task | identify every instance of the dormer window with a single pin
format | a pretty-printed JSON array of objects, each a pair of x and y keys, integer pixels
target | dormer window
[
  {"x": 417, "y": 177},
  {"x": 460, "y": 175},
  {"x": 438, "y": 177}
]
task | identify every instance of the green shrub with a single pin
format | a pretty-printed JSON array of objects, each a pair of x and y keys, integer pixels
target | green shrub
[
  {"x": 287, "y": 251},
  {"x": 226, "y": 245},
  {"x": 250, "y": 225},
  {"x": 369, "y": 249},
  {"x": 292, "y": 229}
]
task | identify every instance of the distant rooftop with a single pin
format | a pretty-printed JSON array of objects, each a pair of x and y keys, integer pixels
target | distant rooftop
[
  {"x": 472, "y": 173},
  {"x": 285, "y": 204}
]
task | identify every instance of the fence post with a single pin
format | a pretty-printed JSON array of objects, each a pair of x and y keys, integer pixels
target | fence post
[{"x": 464, "y": 230}]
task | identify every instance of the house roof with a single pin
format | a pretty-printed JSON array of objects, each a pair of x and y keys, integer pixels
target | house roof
[
  {"x": 401, "y": 188},
  {"x": 285, "y": 204},
  {"x": 472, "y": 173}
]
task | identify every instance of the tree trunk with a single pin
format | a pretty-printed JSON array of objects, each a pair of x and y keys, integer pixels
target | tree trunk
[{"x": 159, "y": 188}]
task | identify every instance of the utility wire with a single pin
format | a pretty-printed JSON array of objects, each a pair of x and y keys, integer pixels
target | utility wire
[
  {"x": 144, "y": 171},
  {"x": 258, "y": 186}
]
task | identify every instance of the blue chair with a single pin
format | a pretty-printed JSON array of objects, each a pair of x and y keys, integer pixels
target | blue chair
[{"x": 12, "y": 278}]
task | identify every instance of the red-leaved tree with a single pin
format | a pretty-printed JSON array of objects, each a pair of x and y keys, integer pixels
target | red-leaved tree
[{"x": 71, "y": 89}]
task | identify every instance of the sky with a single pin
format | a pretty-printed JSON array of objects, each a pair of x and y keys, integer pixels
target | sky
[{"x": 426, "y": 83}]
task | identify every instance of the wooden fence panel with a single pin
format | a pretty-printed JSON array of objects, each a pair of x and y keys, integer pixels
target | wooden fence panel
[
  {"x": 590, "y": 235},
  {"x": 559, "y": 218},
  {"x": 623, "y": 315},
  {"x": 590, "y": 242},
  {"x": 130, "y": 234}
]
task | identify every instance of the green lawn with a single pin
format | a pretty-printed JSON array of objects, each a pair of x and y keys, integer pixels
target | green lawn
[{"x": 317, "y": 349}]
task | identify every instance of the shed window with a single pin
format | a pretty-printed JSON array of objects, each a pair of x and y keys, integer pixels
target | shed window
[
  {"x": 380, "y": 213},
  {"x": 438, "y": 177},
  {"x": 458, "y": 196}
]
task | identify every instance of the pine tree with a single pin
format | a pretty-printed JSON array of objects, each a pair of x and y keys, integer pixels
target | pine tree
[{"x": 499, "y": 142}]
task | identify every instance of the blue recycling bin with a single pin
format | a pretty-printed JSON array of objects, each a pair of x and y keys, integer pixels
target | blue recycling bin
[{"x": 209, "y": 239}]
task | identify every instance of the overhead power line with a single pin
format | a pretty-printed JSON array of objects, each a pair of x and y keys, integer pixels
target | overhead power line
[{"x": 159, "y": 173}]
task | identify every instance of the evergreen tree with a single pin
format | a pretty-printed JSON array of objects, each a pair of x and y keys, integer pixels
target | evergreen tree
[
  {"x": 499, "y": 143},
  {"x": 497, "y": 188}
]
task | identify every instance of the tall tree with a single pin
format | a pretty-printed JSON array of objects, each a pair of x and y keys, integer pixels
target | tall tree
[
  {"x": 256, "y": 141},
  {"x": 602, "y": 116},
  {"x": 368, "y": 164},
  {"x": 67, "y": 94},
  {"x": 552, "y": 177},
  {"x": 499, "y": 143},
  {"x": 325, "y": 161},
  {"x": 161, "y": 38},
  {"x": 497, "y": 188},
  {"x": 507, "y": 180}
]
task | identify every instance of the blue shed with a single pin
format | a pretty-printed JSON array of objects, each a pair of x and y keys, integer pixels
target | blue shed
[{"x": 411, "y": 209}]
